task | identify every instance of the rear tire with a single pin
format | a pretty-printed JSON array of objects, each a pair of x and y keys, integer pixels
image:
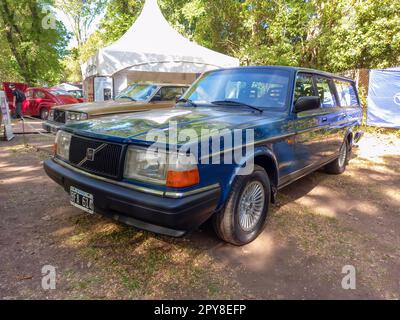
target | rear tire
[
  {"x": 339, "y": 165},
  {"x": 245, "y": 212},
  {"x": 44, "y": 114}
]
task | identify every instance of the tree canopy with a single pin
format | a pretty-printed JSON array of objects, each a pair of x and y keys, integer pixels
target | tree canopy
[
  {"x": 31, "y": 42},
  {"x": 333, "y": 35}
]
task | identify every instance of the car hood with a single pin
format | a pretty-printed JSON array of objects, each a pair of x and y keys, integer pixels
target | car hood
[
  {"x": 100, "y": 108},
  {"x": 143, "y": 126}
]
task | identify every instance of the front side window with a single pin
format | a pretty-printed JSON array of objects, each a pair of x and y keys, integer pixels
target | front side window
[
  {"x": 262, "y": 88},
  {"x": 40, "y": 94},
  {"x": 346, "y": 93},
  {"x": 137, "y": 92},
  {"x": 170, "y": 93},
  {"x": 304, "y": 86},
  {"x": 325, "y": 92}
]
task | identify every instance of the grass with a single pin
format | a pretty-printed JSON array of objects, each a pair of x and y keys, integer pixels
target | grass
[
  {"x": 139, "y": 264},
  {"x": 107, "y": 260}
]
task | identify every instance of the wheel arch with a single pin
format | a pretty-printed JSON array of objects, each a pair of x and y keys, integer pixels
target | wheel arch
[{"x": 265, "y": 158}]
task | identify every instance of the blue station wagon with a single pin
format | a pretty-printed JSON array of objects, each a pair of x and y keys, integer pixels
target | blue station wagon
[{"x": 280, "y": 123}]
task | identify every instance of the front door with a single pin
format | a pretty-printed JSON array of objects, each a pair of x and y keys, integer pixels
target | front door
[
  {"x": 27, "y": 104},
  {"x": 39, "y": 99},
  {"x": 310, "y": 132}
]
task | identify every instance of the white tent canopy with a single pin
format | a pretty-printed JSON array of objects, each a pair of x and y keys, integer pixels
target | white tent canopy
[{"x": 152, "y": 45}]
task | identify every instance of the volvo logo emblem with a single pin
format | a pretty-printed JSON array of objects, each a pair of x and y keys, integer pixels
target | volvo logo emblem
[
  {"x": 90, "y": 154},
  {"x": 396, "y": 98}
]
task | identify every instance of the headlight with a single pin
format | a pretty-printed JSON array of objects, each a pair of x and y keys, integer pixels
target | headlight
[
  {"x": 157, "y": 166},
  {"x": 51, "y": 115},
  {"x": 63, "y": 141},
  {"x": 143, "y": 165},
  {"x": 76, "y": 116}
]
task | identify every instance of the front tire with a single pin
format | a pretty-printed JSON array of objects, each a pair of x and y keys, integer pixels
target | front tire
[
  {"x": 339, "y": 165},
  {"x": 245, "y": 213}
]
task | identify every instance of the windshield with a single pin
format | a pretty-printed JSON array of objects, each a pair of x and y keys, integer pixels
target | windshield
[
  {"x": 137, "y": 92},
  {"x": 76, "y": 93},
  {"x": 261, "y": 88}
]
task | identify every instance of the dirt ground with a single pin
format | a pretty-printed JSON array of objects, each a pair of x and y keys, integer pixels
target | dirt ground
[{"x": 319, "y": 225}]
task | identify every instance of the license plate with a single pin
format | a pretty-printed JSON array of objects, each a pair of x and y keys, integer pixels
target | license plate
[{"x": 82, "y": 200}]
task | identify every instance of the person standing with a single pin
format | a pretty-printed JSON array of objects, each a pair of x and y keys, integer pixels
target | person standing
[{"x": 19, "y": 98}]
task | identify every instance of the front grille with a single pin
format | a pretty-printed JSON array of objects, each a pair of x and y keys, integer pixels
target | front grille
[
  {"x": 107, "y": 158},
  {"x": 59, "y": 116}
]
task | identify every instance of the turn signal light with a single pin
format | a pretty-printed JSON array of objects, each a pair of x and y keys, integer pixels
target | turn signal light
[{"x": 182, "y": 179}]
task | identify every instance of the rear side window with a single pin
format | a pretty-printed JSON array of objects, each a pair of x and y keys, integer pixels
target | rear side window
[
  {"x": 346, "y": 93},
  {"x": 304, "y": 86},
  {"x": 326, "y": 92}
]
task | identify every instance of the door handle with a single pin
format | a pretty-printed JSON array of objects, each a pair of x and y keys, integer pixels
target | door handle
[{"x": 324, "y": 119}]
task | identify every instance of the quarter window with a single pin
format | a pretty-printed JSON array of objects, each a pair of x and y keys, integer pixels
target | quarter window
[
  {"x": 346, "y": 93},
  {"x": 325, "y": 92},
  {"x": 304, "y": 86}
]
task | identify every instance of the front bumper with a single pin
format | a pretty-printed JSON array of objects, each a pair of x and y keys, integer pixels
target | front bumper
[
  {"x": 52, "y": 127},
  {"x": 172, "y": 217}
]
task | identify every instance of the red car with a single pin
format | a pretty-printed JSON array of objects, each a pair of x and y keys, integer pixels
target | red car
[{"x": 40, "y": 100}]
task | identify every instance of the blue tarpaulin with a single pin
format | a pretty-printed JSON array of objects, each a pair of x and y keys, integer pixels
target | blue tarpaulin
[{"x": 384, "y": 98}]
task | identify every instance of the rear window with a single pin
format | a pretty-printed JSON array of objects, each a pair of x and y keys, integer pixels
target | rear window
[
  {"x": 346, "y": 93},
  {"x": 60, "y": 93}
]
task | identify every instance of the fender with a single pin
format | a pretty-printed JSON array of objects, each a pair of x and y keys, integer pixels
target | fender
[
  {"x": 260, "y": 151},
  {"x": 45, "y": 105}
]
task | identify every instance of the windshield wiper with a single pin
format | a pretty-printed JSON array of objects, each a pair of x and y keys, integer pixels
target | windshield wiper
[
  {"x": 126, "y": 97},
  {"x": 187, "y": 101},
  {"x": 237, "y": 103}
]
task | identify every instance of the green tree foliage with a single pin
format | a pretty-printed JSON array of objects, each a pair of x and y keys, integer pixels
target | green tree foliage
[
  {"x": 81, "y": 15},
  {"x": 31, "y": 45},
  {"x": 119, "y": 17},
  {"x": 334, "y": 35}
]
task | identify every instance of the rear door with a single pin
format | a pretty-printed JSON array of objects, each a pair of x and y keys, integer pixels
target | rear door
[
  {"x": 333, "y": 118},
  {"x": 349, "y": 101}
]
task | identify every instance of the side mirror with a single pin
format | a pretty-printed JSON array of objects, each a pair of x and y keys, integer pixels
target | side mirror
[
  {"x": 307, "y": 103},
  {"x": 177, "y": 98}
]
